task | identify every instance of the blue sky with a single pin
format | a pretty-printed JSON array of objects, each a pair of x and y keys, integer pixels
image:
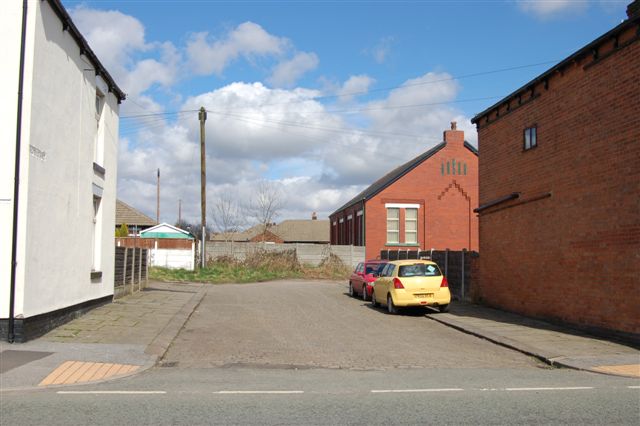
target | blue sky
[{"x": 318, "y": 97}]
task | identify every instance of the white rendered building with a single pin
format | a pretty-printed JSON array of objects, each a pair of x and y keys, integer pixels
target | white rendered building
[{"x": 57, "y": 196}]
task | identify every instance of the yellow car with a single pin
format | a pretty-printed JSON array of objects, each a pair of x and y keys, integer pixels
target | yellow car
[{"x": 411, "y": 283}]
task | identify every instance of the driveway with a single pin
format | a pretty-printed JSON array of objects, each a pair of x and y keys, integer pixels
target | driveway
[{"x": 300, "y": 324}]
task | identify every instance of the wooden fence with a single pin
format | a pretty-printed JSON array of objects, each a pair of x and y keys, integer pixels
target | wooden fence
[
  {"x": 457, "y": 266},
  {"x": 131, "y": 271}
]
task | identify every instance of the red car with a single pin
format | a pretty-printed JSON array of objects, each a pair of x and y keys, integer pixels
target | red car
[{"x": 363, "y": 277}]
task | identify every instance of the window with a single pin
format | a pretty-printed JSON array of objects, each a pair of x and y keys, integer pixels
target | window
[
  {"x": 98, "y": 140},
  {"x": 99, "y": 104},
  {"x": 96, "y": 237},
  {"x": 530, "y": 138},
  {"x": 411, "y": 226},
  {"x": 359, "y": 268},
  {"x": 388, "y": 270},
  {"x": 419, "y": 270},
  {"x": 405, "y": 214},
  {"x": 393, "y": 225}
]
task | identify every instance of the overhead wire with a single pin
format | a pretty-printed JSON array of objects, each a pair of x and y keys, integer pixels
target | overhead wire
[{"x": 355, "y": 93}]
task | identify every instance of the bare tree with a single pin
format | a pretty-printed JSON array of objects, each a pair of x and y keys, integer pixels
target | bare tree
[
  {"x": 227, "y": 215},
  {"x": 265, "y": 205}
]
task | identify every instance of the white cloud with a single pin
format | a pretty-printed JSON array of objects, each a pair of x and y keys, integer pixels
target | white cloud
[
  {"x": 286, "y": 73},
  {"x": 382, "y": 49},
  {"x": 356, "y": 85},
  {"x": 247, "y": 40},
  {"x": 118, "y": 40},
  {"x": 551, "y": 8},
  {"x": 255, "y": 132}
]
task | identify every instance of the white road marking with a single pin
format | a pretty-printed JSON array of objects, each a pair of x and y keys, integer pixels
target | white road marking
[
  {"x": 257, "y": 392},
  {"x": 633, "y": 387},
  {"x": 416, "y": 390},
  {"x": 549, "y": 389},
  {"x": 111, "y": 392}
]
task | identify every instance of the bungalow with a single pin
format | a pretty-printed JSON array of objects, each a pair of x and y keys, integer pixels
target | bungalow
[
  {"x": 309, "y": 231},
  {"x": 135, "y": 220},
  {"x": 425, "y": 203},
  {"x": 57, "y": 171}
]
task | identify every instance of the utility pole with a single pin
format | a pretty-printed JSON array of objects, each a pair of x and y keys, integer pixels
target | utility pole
[
  {"x": 202, "y": 116},
  {"x": 158, "y": 198},
  {"x": 180, "y": 212}
]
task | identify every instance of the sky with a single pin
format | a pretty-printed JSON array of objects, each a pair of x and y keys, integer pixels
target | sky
[{"x": 318, "y": 98}]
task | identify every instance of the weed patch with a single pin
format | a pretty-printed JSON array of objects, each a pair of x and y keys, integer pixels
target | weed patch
[{"x": 261, "y": 266}]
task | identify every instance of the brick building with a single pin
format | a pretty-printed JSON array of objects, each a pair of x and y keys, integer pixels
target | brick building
[
  {"x": 425, "y": 203},
  {"x": 560, "y": 190}
]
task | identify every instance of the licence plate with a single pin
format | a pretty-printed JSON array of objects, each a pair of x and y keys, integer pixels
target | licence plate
[{"x": 423, "y": 295}]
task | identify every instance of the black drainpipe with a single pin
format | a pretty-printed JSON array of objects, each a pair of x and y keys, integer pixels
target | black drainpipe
[
  {"x": 16, "y": 180},
  {"x": 364, "y": 232}
]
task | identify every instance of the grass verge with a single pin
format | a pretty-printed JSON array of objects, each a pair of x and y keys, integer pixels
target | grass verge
[{"x": 260, "y": 266}]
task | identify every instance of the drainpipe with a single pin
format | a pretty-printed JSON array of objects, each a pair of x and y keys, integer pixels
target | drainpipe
[
  {"x": 16, "y": 181},
  {"x": 364, "y": 227}
]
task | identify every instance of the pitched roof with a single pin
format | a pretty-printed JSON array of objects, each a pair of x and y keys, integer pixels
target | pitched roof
[
  {"x": 245, "y": 235},
  {"x": 127, "y": 214},
  {"x": 396, "y": 174},
  {"x": 290, "y": 231},
  {"x": 164, "y": 230},
  {"x": 302, "y": 231}
]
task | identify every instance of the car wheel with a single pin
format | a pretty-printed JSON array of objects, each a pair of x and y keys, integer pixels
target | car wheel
[
  {"x": 391, "y": 308},
  {"x": 350, "y": 289},
  {"x": 373, "y": 298},
  {"x": 364, "y": 292},
  {"x": 443, "y": 308}
]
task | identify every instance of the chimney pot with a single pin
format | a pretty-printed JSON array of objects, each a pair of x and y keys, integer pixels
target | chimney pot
[{"x": 454, "y": 125}]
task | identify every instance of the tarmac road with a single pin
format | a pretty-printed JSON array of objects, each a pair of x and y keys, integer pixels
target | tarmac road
[{"x": 299, "y": 324}]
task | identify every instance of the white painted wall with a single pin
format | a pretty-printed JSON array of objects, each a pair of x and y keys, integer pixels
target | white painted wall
[
  {"x": 57, "y": 179},
  {"x": 173, "y": 259},
  {"x": 10, "y": 29}
]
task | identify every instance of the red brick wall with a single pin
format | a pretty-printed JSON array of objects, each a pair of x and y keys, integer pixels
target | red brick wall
[
  {"x": 445, "y": 218},
  {"x": 349, "y": 231},
  {"x": 574, "y": 256}
]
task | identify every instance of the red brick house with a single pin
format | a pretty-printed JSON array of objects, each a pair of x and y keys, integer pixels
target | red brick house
[
  {"x": 560, "y": 190},
  {"x": 425, "y": 203}
]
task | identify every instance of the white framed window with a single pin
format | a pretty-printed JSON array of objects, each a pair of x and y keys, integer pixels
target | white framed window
[
  {"x": 393, "y": 225},
  {"x": 411, "y": 226},
  {"x": 96, "y": 235}
]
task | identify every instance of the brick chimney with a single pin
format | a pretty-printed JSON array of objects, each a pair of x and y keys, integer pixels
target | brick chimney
[
  {"x": 633, "y": 9},
  {"x": 454, "y": 136},
  {"x": 314, "y": 216}
]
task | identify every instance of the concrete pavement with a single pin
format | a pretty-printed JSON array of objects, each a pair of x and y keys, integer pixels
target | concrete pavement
[
  {"x": 114, "y": 340},
  {"x": 556, "y": 345},
  {"x": 133, "y": 333}
]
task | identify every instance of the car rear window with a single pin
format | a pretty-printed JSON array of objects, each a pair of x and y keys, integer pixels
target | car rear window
[
  {"x": 375, "y": 268},
  {"x": 419, "y": 270}
]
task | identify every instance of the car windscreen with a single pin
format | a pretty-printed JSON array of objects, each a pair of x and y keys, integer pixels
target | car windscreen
[{"x": 419, "y": 270}]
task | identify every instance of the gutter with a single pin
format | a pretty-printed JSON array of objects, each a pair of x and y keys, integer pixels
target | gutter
[
  {"x": 500, "y": 200},
  {"x": 16, "y": 180}
]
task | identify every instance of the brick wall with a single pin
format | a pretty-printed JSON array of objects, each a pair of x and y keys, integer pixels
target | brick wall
[
  {"x": 445, "y": 216},
  {"x": 573, "y": 255}
]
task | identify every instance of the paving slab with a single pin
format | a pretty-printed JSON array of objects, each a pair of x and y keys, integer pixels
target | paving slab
[
  {"x": 122, "y": 336},
  {"x": 554, "y": 344}
]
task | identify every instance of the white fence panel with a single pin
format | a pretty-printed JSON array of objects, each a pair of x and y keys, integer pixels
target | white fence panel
[
  {"x": 174, "y": 259},
  {"x": 309, "y": 254}
]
